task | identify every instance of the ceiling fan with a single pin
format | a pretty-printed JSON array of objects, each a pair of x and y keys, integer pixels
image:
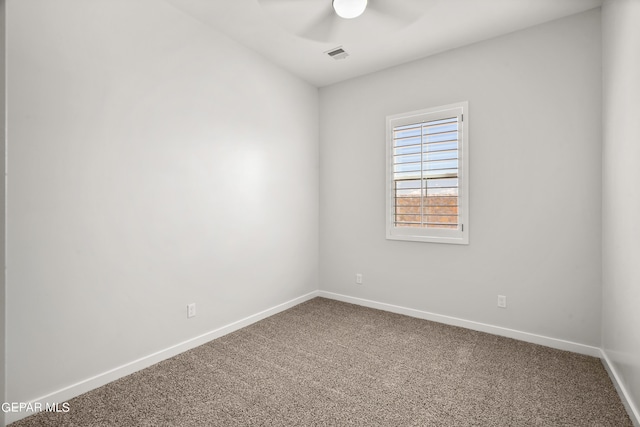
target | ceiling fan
[
  {"x": 349, "y": 9},
  {"x": 337, "y": 20}
]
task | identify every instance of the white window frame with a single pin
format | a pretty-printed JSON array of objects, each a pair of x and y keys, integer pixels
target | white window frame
[{"x": 434, "y": 235}]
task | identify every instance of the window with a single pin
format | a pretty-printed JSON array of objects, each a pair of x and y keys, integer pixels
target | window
[{"x": 427, "y": 175}]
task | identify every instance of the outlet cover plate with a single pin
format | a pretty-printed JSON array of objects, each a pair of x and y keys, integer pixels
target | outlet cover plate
[
  {"x": 191, "y": 310},
  {"x": 502, "y": 301}
]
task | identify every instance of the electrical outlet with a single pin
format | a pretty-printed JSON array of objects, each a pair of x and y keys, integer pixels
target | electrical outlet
[
  {"x": 502, "y": 301},
  {"x": 191, "y": 310},
  {"x": 359, "y": 279}
]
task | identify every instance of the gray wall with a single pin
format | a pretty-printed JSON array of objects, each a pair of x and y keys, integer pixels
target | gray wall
[
  {"x": 621, "y": 193},
  {"x": 3, "y": 129},
  {"x": 535, "y": 216},
  {"x": 134, "y": 145},
  {"x": 153, "y": 163}
]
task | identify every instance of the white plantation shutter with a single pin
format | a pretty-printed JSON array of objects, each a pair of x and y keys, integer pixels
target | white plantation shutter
[{"x": 426, "y": 175}]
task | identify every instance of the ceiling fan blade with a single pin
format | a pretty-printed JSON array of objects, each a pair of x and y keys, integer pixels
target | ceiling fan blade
[
  {"x": 404, "y": 11},
  {"x": 311, "y": 19},
  {"x": 321, "y": 28},
  {"x": 268, "y": 3}
]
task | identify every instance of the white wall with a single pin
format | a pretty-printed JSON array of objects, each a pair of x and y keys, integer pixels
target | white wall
[
  {"x": 535, "y": 143},
  {"x": 153, "y": 162},
  {"x": 621, "y": 193},
  {"x": 3, "y": 130}
]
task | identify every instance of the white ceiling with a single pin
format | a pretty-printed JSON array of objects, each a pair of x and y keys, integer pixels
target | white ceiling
[{"x": 295, "y": 34}]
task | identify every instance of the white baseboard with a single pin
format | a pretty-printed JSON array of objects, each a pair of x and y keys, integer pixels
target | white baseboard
[
  {"x": 632, "y": 409},
  {"x": 469, "y": 324},
  {"x": 99, "y": 380},
  {"x": 559, "y": 344}
]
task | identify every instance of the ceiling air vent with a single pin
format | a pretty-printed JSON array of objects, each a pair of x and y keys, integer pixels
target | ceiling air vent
[{"x": 337, "y": 53}]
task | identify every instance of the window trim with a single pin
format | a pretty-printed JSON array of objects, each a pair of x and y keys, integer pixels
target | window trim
[{"x": 432, "y": 235}]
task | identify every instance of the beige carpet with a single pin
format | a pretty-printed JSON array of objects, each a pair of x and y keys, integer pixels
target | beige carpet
[{"x": 329, "y": 363}]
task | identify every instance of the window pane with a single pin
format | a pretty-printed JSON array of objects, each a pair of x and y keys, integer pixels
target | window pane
[
  {"x": 442, "y": 173},
  {"x": 409, "y": 192},
  {"x": 439, "y": 146},
  {"x": 407, "y": 158},
  {"x": 441, "y": 210},
  {"x": 407, "y": 141},
  {"x": 441, "y": 121},
  {"x": 441, "y": 192},
  {"x": 439, "y": 165},
  {"x": 402, "y": 176},
  {"x": 415, "y": 183},
  {"x": 408, "y": 218},
  {"x": 439, "y": 155},
  {"x": 410, "y": 149},
  {"x": 441, "y": 126},
  {"x": 440, "y": 137},
  {"x": 409, "y": 167},
  {"x": 442, "y": 183},
  {"x": 407, "y": 131},
  {"x": 451, "y": 226}
]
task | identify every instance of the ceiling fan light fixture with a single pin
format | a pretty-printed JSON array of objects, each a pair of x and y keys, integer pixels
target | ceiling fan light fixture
[{"x": 349, "y": 9}]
